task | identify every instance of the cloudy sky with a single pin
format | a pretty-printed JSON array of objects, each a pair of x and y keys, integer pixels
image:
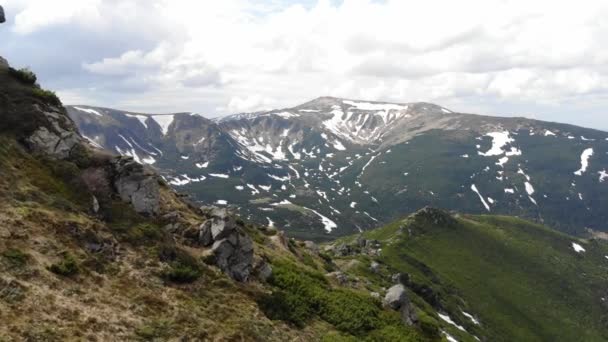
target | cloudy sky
[{"x": 540, "y": 59}]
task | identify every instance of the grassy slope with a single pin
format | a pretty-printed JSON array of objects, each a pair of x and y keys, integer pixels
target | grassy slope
[{"x": 523, "y": 281}]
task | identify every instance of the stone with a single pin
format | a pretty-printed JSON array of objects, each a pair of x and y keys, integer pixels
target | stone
[
  {"x": 395, "y": 297},
  {"x": 234, "y": 255},
  {"x": 375, "y": 295},
  {"x": 173, "y": 216},
  {"x": 137, "y": 185},
  {"x": 374, "y": 267},
  {"x": 204, "y": 236},
  {"x": 361, "y": 242},
  {"x": 221, "y": 228},
  {"x": 343, "y": 250},
  {"x": 264, "y": 271},
  {"x": 95, "y": 205},
  {"x": 313, "y": 247},
  {"x": 340, "y": 277}
]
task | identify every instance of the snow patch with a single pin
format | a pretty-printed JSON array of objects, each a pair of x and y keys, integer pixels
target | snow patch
[
  {"x": 202, "y": 165},
  {"x": 474, "y": 188},
  {"x": 374, "y": 106},
  {"x": 219, "y": 175},
  {"x": 499, "y": 140},
  {"x": 584, "y": 161},
  {"x": 449, "y": 320},
  {"x": 88, "y": 110},
  {"x": 164, "y": 121},
  {"x": 603, "y": 175},
  {"x": 578, "y": 248}
]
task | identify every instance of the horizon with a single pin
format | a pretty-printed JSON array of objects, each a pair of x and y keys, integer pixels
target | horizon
[{"x": 538, "y": 61}]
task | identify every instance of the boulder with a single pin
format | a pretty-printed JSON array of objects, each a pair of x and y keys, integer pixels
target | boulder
[
  {"x": 313, "y": 247},
  {"x": 234, "y": 255},
  {"x": 343, "y": 250},
  {"x": 136, "y": 185},
  {"x": 396, "y": 298},
  {"x": 264, "y": 271},
  {"x": 205, "y": 237},
  {"x": 222, "y": 228},
  {"x": 53, "y": 144}
]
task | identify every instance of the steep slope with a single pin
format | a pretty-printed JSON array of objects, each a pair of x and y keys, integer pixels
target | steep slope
[
  {"x": 333, "y": 166},
  {"x": 493, "y": 277}
]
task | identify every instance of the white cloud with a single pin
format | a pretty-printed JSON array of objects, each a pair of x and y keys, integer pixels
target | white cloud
[{"x": 248, "y": 55}]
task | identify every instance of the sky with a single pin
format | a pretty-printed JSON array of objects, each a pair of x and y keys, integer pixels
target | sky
[{"x": 546, "y": 60}]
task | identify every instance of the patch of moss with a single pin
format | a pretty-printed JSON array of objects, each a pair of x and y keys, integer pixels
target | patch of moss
[
  {"x": 15, "y": 257},
  {"x": 67, "y": 267}
]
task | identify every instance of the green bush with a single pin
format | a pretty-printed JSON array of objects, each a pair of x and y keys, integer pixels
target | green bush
[
  {"x": 47, "y": 95},
  {"x": 15, "y": 257},
  {"x": 179, "y": 273},
  {"x": 24, "y": 75},
  {"x": 183, "y": 267},
  {"x": 304, "y": 294},
  {"x": 67, "y": 267}
]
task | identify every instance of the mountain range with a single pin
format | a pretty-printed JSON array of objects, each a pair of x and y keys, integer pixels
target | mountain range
[{"x": 331, "y": 167}]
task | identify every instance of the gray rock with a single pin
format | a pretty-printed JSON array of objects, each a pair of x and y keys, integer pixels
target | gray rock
[
  {"x": 204, "y": 235},
  {"x": 343, "y": 250},
  {"x": 222, "y": 228},
  {"x": 375, "y": 295},
  {"x": 172, "y": 217},
  {"x": 339, "y": 276},
  {"x": 374, "y": 267},
  {"x": 137, "y": 185},
  {"x": 311, "y": 246},
  {"x": 264, "y": 271},
  {"x": 234, "y": 255},
  {"x": 395, "y": 297},
  {"x": 95, "y": 205},
  {"x": 361, "y": 242}
]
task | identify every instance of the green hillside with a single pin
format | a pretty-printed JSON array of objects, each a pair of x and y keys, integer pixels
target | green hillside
[{"x": 522, "y": 281}]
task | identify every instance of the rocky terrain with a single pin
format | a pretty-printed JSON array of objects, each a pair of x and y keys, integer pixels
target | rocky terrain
[{"x": 332, "y": 167}]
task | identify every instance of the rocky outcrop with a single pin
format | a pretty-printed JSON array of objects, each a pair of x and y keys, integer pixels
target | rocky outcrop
[
  {"x": 396, "y": 298},
  {"x": 234, "y": 255},
  {"x": 58, "y": 145},
  {"x": 231, "y": 248},
  {"x": 435, "y": 216},
  {"x": 137, "y": 185}
]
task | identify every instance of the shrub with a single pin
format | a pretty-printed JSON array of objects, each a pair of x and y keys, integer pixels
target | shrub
[
  {"x": 179, "y": 273},
  {"x": 24, "y": 75},
  {"x": 144, "y": 232},
  {"x": 15, "y": 257},
  {"x": 47, "y": 95},
  {"x": 303, "y": 294},
  {"x": 67, "y": 267},
  {"x": 183, "y": 267}
]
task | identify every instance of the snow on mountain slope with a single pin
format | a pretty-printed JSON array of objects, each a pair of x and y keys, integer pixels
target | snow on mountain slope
[{"x": 303, "y": 167}]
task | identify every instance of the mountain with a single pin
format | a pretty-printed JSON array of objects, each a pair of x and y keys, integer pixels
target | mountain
[
  {"x": 96, "y": 246},
  {"x": 331, "y": 167}
]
